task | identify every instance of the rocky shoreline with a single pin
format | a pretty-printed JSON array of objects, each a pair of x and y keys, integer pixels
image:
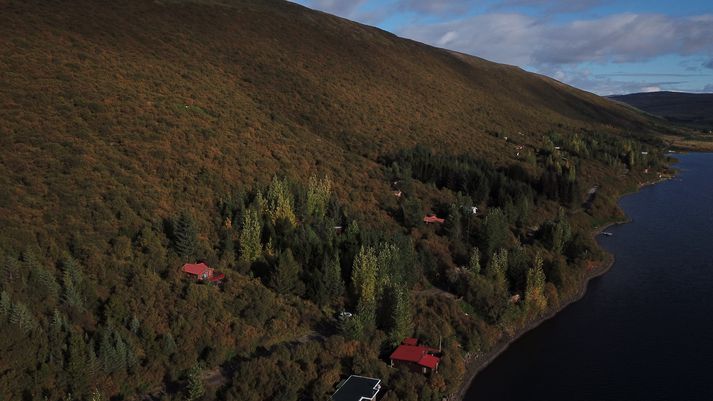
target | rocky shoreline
[{"x": 480, "y": 362}]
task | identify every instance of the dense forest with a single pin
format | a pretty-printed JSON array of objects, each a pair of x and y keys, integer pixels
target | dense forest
[
  {"x": 299, "y": 158},
  {"x": 294, "y": 259}
]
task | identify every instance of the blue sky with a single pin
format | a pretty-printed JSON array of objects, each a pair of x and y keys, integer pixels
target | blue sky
[{"x": 603, "y": 46}]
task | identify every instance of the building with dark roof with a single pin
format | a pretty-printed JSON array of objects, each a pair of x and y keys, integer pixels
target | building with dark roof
[{"x": 357, "y": 388}]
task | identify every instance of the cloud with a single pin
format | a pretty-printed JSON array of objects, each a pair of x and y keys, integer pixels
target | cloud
[
  {"x": 337, "y": 7},
  {"x": 709, "y": 64},
  {"x": 435, "y": 7},
  {"x": 525, "y": 40},
  {"x": 554, "y": 6}
]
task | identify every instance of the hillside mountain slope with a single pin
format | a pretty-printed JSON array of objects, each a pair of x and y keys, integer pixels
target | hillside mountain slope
[
  {"x": 690, "y": 109},
  {"x": 297, "y": 153},
  {"x": 179, "y": 93}
]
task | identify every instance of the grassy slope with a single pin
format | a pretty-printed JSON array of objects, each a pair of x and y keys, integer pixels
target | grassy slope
[
  {"x": 178, "y": 102},
  {"x": 691, "y": 109}
]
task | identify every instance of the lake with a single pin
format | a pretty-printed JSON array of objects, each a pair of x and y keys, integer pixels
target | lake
[{"x": 644, "y": 330}]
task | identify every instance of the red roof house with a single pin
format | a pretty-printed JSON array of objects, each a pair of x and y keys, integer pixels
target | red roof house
[
  {"x": 415, "y": 357},
  {"x": 432, "y": 218},
  {"x": 201, "y": 272}
]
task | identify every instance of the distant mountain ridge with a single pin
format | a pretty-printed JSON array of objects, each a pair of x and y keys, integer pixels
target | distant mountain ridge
[{"x": 691, "y": 109}]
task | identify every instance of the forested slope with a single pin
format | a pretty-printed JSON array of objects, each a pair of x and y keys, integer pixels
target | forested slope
[{"x": 140, "y": 135}]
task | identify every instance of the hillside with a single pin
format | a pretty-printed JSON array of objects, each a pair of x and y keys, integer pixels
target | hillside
[
  {"x": 690, "y": 109},
  {"x": 269, "y": 140}
]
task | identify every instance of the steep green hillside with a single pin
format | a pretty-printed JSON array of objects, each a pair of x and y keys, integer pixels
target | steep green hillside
[{"x": 140, "y": 135}]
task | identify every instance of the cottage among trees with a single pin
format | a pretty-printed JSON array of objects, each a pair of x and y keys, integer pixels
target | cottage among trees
[
  {"x": 201, "y": 272},
  {"x": 417, "y": 358}
]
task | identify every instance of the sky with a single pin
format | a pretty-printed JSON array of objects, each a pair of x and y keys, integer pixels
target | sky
[{"x": 602, "y": 46}]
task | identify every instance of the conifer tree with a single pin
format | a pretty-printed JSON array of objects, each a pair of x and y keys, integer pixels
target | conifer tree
[
  {"x": 280, "y": 201},
  {"x": 21, "y": 317},
  {"x": 227, "y": 247},
  {"x": 474, "y": 262},
  {"x": 186, "y": 237},
  {"x": 534, "y": 293},
  {"x": 134, "y": 325},
  {"x": 401, "y": 318},
  {"x": 5, "y": 305},
  {"x": 195, "y": 389},
  {"x": 169, "y": 344},
  {"x": 495, "y": 230},
  {"x": 77, "y": 362},
  {"x": 71, "y": 282},
  {"x": 96, "y": 396},
  {"x": 318, "y": 194},
  {"x": 10, "y": 271},
  {"x": 285, "y": 279},
  {"x": 250, "y": 245},
  {"x": 364, "y": 281},
  {"x": 333, "y": 283}
]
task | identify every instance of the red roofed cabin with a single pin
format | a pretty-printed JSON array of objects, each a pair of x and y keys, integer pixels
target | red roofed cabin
[
  {"x": 417, "y": 358},
  {"x": 201, "y": 272},
  {"x": 432, "y": 218}
]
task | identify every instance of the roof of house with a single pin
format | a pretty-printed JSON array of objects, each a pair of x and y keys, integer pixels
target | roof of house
[
  {"x": 416, "y": 354},
  {"x": 195, "y": 268},
  {"x": 432, "y": 218},
  {"x": 217, "y": 277},
  {"x": 410, "y": 341},
  {"x": 357, "y": 388}
]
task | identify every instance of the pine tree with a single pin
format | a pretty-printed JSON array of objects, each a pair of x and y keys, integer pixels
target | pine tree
[
  {"x": 498, "y": 264},
  {"x": 280, "y": 201},
  {"x": 57, "y": 337},
  {"x": 495, "y": 230},
  {"x": 169, "y": 344},
  {"x": 77, "y": 363},
  {"x": 387, "y": 261},
  {"x": 401, "y": 318},
  {"x": 318, "y": 193},
  {"x": 71, "y": 282},
  {"x": 474, "y": 262},
  {"x": 21, "y": 317},
  {"x": 333, "y": 283},
  {"x": 10, "y": 271},
  {"x": 134, "y": 325},
  {"x": 534, "y": 293},
  {"x": 227, "y": 247},
  {"x": 96, "y": 396},
  {"x": 5, "y": 305},
  {"x": 250, "y": 245},
  {"x": 285, "y": 279},
  {"x": 364, "y": 281},
  {"x": 186, "y": 237},
  {"x": 195, "y": 389},
  {"x": 42, "y": 280}
]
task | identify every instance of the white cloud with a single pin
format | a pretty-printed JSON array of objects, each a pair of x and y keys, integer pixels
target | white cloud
[
  {"x": 447, "y": 38},
  {"x": 523, "y": 40},
  {"x": 344, "y": 8}
]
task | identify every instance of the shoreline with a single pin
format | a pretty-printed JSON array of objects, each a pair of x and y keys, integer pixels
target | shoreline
[{"x": 477, "y": 364}]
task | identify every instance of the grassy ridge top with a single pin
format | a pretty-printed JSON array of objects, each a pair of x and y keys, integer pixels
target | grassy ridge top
[
  {"x": 690, "y": 109},
  {"x": 174, "y": 100}
]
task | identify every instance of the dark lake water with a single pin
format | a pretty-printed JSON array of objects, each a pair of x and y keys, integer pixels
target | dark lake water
[{"x": 643, "y": 331}]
